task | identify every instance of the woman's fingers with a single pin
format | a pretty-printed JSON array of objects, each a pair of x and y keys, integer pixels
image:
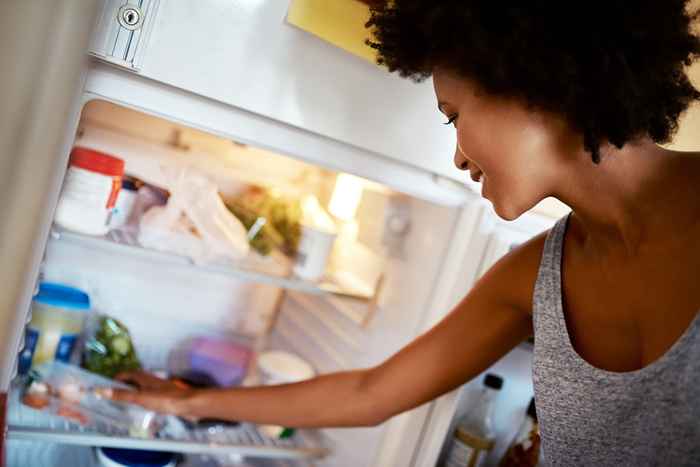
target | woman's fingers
[
  {"x": 146, "y": 381},
  {"x": 158, "y": 401}
]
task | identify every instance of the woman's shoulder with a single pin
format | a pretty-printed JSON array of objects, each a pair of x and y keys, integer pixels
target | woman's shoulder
[{"x": 514, "y": 275}]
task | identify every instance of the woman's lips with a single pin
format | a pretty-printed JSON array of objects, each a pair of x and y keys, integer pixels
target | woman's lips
[{"x": 477, "y": 176}]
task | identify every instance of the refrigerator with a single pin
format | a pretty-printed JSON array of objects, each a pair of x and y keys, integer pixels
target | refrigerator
[{"x": 231, "y": 91}]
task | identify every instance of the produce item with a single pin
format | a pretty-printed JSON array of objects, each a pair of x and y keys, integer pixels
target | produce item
[
  {"x": 108, "y": 348},
  {"x": 68, "y": 391},
  {"x": 524, "y": 450},
  {"x": 474, "y": 437},
  {"x": 210, "y": 361},
  {"x": 272, "y": 222},
  {"x": 90, "y": 191},
  {"x": 58, "y": 313}
]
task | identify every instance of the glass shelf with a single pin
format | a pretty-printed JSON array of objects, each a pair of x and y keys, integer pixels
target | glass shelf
[
  {"x": 244, "y": 440},
  {"x": 273, "y": 270}
]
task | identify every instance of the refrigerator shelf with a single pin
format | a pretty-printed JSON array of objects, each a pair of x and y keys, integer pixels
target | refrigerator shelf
[
  {"x": 273, "y": 270},
  {"x": 243, "y": 441},
  {"x": 39, "y": 454}
]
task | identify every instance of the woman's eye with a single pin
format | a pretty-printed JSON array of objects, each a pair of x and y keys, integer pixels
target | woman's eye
[{"x": 451, "y": 120}]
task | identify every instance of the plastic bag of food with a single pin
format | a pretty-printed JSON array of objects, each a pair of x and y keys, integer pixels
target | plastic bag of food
[
  {"x": 68, "y": 391},
  {"x": 108, "y": 349},
  {"x": 195, "y": 222}
]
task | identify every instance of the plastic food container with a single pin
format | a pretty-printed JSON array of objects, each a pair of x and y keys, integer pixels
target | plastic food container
[
  {"x": 279, "y": 367},
  {"x": 69, "y": 391},
  {"x": 112, "y": 457},
  {"x": 314, "y": 250},
  {"x": 58, "y": 314},
  {"x": 211, "y": 361},
  {"x": 90, "y": 191}
]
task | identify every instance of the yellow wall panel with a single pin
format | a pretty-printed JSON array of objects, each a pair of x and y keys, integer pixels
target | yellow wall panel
[{"x": 340, "y": 22}]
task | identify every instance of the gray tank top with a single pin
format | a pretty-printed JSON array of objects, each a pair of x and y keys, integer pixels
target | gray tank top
[{"x": 593, "y": 417}]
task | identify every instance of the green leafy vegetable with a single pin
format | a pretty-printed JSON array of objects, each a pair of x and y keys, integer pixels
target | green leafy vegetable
[{"x": 110, "y": 351}]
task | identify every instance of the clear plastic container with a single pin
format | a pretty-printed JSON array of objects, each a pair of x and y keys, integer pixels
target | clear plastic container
[
  {"x": 69, "y": 391},
  {"x": 58, "y": 314}
]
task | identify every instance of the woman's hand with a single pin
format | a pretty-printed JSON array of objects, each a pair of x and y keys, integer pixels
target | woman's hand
[
  {"x": 169, "y": 402},
  {"x": 153, "y": 393},
  {"x": 150, "y": 382}
]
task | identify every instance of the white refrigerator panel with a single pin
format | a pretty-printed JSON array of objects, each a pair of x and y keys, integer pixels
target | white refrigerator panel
[
  {"x": 244, "y": 53},
  {"x": 154, "y": 98}
]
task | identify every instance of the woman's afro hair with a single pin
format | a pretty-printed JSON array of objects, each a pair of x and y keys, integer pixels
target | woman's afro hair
[{"x": 614, "y": 69}]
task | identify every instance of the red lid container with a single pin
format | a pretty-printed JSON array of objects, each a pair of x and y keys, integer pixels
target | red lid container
[{"x": 96, "y": 161}]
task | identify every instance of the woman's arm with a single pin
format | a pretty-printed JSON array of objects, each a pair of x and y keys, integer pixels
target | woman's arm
[{"x": 492, "y": 319}]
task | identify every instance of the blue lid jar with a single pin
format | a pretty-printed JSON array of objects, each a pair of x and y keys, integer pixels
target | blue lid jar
[{"x": 62, "y": 296}]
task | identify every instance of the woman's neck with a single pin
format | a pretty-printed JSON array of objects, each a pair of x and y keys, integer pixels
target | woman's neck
[{"x": 634, "y": 197}]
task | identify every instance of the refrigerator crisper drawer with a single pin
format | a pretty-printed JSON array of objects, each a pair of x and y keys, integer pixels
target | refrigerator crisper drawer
[{"x": 27, "y": 424}]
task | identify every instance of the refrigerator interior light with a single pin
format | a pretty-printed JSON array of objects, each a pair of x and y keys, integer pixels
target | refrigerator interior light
[
  {"x": 346, "y": 197},
  {"x": 313, "y": 215}
]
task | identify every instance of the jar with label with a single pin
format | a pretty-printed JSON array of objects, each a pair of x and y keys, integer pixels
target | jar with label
[
  {"x": 90, "y": 191},
  {"x": 125, "y": 203},
  {"x": 474, "y": 437},
  {"x": 58, "y": 313}
]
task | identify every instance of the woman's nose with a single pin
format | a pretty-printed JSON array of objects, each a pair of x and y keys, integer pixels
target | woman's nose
[{"x": 460, "y": 161}]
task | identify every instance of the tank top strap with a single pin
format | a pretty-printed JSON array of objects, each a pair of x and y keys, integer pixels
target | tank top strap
[{"x": 547, "y": 296}]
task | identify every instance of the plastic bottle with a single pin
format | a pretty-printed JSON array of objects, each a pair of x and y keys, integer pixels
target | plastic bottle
[
  {"x": 90, "y": 191},
  {"x": 473, "y": 438}
]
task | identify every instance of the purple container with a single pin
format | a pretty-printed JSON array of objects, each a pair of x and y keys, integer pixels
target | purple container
[{"x": 211, "y": 361}]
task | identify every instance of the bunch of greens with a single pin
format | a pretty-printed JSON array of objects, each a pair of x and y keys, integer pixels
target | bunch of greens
[
  {"x": 110, "y": 350},
  {"x": 275, "y": 220}
]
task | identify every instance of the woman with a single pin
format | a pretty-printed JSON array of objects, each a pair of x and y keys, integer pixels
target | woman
[{"x": 546, "y": 101}]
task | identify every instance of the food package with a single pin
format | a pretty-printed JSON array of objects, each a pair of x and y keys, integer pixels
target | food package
[
  {"x": 108, "y": 349},
  {"x": 273, "y": 222},
  {"x": 68, "y": 391},
  {"x": 211, "y": 361},
  {"x": 195, "y": 222}
]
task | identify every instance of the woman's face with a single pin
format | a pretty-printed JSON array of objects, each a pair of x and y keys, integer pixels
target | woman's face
[{"x": 518, "y": 154}]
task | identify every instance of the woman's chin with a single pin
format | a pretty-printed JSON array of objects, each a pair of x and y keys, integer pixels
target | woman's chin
[{"x": 507, "y": 213}]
